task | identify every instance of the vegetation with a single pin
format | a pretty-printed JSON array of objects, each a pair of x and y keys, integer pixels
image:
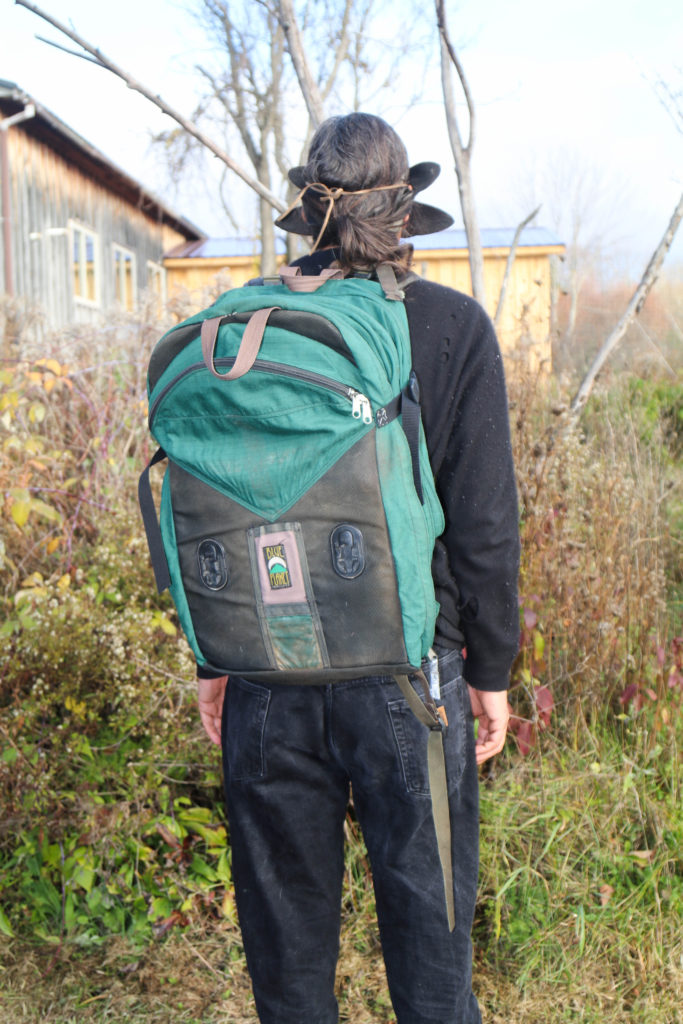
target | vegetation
[{"x": 115, "y": 900}]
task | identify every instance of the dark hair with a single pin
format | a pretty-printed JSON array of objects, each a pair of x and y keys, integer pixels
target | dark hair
[{"x": 353, "y": 152}]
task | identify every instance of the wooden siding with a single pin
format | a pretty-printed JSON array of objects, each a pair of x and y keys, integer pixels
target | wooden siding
[
  {"x": 525, "y": 324},
  {"x": 48, "y": 196},
  {"x": 526, "y": 319},
  {"x": 194, "y": 275}
]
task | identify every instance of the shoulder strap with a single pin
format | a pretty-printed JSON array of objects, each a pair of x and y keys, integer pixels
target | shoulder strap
[{"x": 149, "y": 518}]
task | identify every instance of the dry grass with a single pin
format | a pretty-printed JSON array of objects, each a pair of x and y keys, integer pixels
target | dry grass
[{"x": 581, "y": 894}]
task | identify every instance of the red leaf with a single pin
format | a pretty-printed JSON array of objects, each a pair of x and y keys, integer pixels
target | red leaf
[
  {"x": 544, "y": 704},
  {"x": 675, "y": 679},
  {"x": 530, "y": 618},
  {"x": 176, "y": 918},
  {"x": 526, "y": 737},
  {"x": 661, "y": 655},
  {"x": 630, "y": 693},
  {"x": 651, "y": 693}
]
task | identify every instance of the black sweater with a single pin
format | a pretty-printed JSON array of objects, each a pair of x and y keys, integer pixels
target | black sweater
[{"x": 465, "y": 417}]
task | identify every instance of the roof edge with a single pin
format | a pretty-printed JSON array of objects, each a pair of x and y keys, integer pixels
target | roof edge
[{"x": 48, "y": 127}]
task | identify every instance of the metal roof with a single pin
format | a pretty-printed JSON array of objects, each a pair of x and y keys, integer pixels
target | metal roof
[
  {"x": 223, "y": 248},
  {"x": 491, "y": 238},
  {"x": 49, "y": 129}
]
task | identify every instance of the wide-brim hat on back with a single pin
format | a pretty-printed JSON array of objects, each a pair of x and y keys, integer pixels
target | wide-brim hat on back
[{"x": 422, "y": 218}]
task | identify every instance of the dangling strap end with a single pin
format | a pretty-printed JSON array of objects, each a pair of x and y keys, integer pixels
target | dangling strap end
[{"x": 151, "y": 523}]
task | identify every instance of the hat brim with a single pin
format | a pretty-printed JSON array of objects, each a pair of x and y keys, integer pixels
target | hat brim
[{"x": 423, "y": 219}]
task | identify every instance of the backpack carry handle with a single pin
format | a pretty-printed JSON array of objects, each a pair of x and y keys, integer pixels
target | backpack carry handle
[
  {"x": 249, "y": 346},
  {"x": 298, "y": 282}
]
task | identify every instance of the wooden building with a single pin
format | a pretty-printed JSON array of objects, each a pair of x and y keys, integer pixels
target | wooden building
[
  {"x": 79, "y": 234},
  {"x": 526, "y": 321}
]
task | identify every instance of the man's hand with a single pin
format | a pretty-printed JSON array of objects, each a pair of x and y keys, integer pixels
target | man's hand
[
  {"x": 210, "y": 693},
  {"x": 490, "y": 708}
]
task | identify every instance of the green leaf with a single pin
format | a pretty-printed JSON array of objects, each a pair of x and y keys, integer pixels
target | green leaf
[
  {"x": 200, "y": 868},
  {"x": 5, "y": 926},
  {"x": 223, "y": 868},
  {"x": 36, "y": 412},
  {"x": 160, "y": 907},
  {"x": 45, "y": 511},
  {"x": 84, "y": 876},
  {"x": 20, "y": 512}
]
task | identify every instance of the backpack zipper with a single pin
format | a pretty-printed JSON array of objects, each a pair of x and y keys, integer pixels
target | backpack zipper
[{"x": 360, "y": 404}]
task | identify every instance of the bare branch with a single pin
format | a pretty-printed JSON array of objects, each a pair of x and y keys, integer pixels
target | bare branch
[
  {"x": 632, "y": 310},
  {"x": 509, "y": 264},
  {"x": 65, "y": 49},
  {"x": 461, "y": 154},
  {"x": 455, "y": 60},
  {"x": 341, "y": 52},
  {"x": 132, "y": 83},
  {"x": 307, "y": 83}
]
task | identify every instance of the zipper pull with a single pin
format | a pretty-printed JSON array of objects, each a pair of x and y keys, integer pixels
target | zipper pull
[{"x": 361, "y": 408}]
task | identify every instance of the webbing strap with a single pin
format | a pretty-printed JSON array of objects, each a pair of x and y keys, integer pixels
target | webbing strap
[
  {"x": 428, "y": 714},
  {"x": 151, "y": 523},
  {"x": 298, "y": 282},
  {"x": 408, "y": 405},
  {"x": 387, "y": 279}
]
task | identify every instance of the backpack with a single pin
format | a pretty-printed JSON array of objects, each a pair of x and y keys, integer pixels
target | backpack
[{"x": 298, "y": 510}]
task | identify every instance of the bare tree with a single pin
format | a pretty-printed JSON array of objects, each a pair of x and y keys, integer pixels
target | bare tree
[
  {"x": 670, "y": 93},
  {"x": 251, "y": 86},
  {"x": 510, "y": 263},
  {"x": 284, "y": 11},
  {"x": 247, "y": 87},
  {"x": 632, "y": 310},
  {"x": 584, "y": 205},
  {"x": 250, "y": 96},
  {"x": 462, "y": 151},
  {"x": 99, "y": 58}
]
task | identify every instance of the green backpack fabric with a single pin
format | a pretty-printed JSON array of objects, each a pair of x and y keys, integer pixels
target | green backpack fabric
[{"x": 298, "y": 510}]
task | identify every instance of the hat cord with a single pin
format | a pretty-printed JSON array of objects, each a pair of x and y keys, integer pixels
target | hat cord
[{"x": 330, "y": 195}]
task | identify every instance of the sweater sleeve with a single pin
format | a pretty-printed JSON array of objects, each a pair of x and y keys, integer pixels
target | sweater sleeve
[{"x": 465, "y": 414}]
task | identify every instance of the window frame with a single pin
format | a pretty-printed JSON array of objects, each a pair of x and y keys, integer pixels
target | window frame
[
  {"x": 79, "y": 230},
  {"x": 157, "y": 271},
  {"x": 119, "y": 268}
]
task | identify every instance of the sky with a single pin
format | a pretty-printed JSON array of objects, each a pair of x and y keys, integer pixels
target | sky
[{"x": 555, "y": 86}]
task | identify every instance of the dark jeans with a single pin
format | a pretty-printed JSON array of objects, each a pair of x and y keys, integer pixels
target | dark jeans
[{"x": 290, "y": 754}]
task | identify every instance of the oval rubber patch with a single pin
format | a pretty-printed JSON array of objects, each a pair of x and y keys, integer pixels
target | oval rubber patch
[
  {"x": 348, "y": 551},
  {"x": 213, "y": 565}
]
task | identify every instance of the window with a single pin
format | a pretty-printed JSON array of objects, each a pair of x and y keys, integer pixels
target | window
[
  {"x": 125, "y": 279},
  {"x": 156, "y": 282},
  {"x": 85, "y": 265}
]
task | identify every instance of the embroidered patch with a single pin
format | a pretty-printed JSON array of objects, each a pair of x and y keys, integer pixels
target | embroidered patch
[
  {"x": 277, "y": 561},
  {"x": 275, "y": 558}
]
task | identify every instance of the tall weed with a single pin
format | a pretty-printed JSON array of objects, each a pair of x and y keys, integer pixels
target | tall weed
[{"x": 597, "y": 562}]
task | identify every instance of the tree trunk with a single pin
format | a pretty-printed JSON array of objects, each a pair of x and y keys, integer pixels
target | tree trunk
[
  {"x": 268, "y": 256},
  {"x": 461, "y": 153},
  {"x": 308, "y": 85}
]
